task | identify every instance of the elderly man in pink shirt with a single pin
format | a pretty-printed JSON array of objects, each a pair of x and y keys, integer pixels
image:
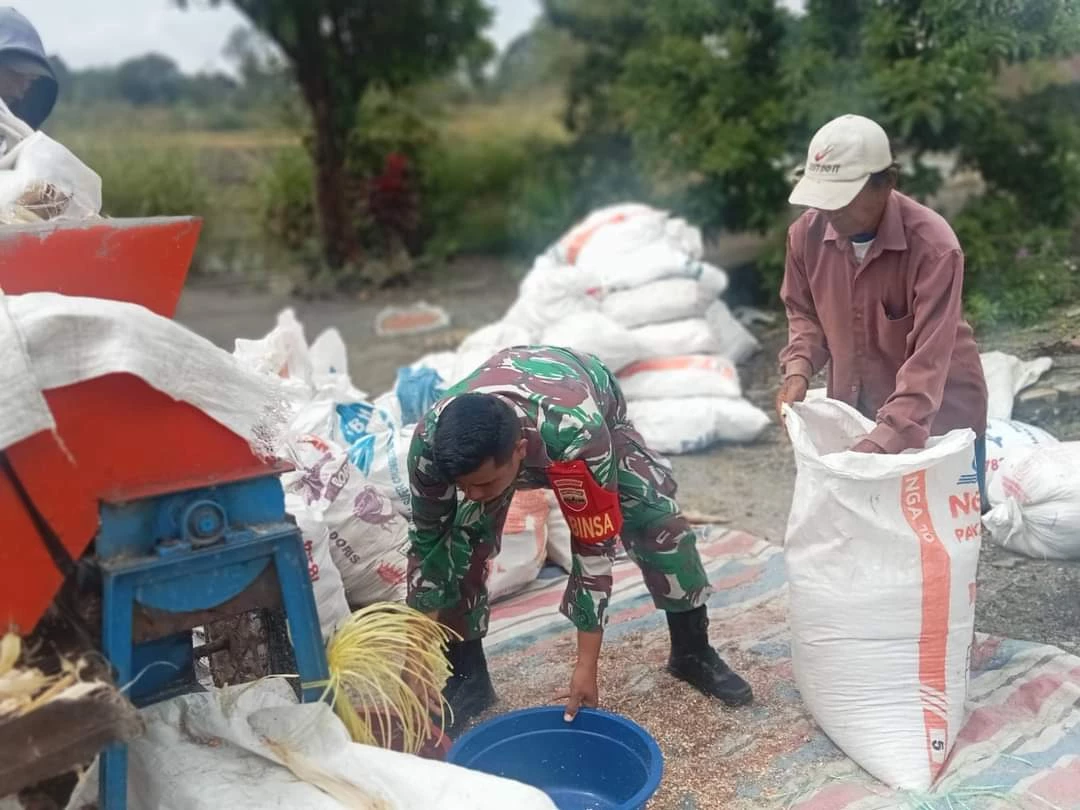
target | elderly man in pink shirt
[{"x": 872, "y": 287}]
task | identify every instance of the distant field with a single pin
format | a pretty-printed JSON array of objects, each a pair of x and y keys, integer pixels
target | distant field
[
  {"x": 156, "y": 161},
  {"x": 537, "y": 117}
]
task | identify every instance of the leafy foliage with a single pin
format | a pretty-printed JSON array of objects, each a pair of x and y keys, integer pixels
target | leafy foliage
[
  {"x": 337, "y": 51},
  {"x": 1015, "y": 270}
]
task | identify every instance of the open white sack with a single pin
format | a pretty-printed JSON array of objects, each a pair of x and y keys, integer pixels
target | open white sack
[
  {"x": 881, "y": 555},
  {"x": 1037, "y": 503},
  {"x": 45, "y": 177},
  {"x": 524, "y": 549},
  {"x": 252, "y": 747}
]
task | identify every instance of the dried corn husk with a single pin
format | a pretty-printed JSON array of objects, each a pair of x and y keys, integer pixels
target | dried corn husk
[{"x": 24, "y": 689}]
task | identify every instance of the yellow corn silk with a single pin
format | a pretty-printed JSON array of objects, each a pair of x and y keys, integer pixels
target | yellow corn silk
[{"x": 388, "y": 667}]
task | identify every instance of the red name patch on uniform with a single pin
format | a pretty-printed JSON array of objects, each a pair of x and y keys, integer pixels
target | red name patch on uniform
[{"x": 592, "y": 512}]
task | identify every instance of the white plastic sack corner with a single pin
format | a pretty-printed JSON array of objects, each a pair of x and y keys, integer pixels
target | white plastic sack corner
[
  {"x": 329, "y": 357},
  {"x": 32, "y": 161},
  {"x": 283, "y": 352},
  {"x": 1007, "y": 376},
  {"x": 336, "y": 507},
  {"x": 669, "y": 299},
  {"x": 524, "y": 544},
  {"x": 68, "y": 340},
  {"x": 689, "y": 336},
  {"x": 593, "y": 333},
  {"x": 1037, "y": 497},
  {"x": 1006, "y": 440},
  {"x": 703, "y": 375},
  {"x": 881, "y": 555},
  {"x": 252, "y": 747},
  {"x": 690, "y": 424},
  {"x": 736, "y": 343}
]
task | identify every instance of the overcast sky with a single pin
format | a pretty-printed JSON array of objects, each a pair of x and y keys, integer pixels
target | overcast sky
[{"x": 104, "y": 32}]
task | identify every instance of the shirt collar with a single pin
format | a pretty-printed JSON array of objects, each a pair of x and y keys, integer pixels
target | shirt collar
[{"x": 890, "y": 233}]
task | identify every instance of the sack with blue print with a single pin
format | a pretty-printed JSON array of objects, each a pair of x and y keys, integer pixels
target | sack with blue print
[
  {"x": 417, "y": 390},
  {"x": 377, "y": 446}
]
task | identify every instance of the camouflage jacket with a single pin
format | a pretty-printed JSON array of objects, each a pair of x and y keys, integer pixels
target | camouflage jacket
[{"x": 569, "y": 407}]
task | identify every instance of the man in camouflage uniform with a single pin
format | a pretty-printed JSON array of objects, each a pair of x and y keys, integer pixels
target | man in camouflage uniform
[{"x": 534, "y": 417}]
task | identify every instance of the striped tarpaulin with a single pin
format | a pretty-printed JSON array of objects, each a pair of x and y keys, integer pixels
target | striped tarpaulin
[{"x": 1019, "y": 748}]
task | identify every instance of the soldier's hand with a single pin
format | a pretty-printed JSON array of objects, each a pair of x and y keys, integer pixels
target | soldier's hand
[
  {"x": 793, "y": 390},
  {"x": 583, "y": 690}
]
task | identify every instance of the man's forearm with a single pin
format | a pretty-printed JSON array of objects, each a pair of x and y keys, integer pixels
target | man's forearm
[{"x": 588, "y": 646}]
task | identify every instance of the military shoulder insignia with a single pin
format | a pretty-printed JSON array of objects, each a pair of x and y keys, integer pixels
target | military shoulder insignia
[{"x": 591, "y": 511}]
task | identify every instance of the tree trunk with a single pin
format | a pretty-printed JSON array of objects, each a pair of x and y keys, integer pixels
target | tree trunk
[{"x": 341, "y": 244}]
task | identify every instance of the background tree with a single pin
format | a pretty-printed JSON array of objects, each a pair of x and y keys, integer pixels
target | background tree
[
  {"x": 930, "y": 72},
  {"x": 337, "y": 50},
  {"x": 689, "y": 93},
  {"x": 150, "y": 79},
  {"x": 978, "y": 83}
]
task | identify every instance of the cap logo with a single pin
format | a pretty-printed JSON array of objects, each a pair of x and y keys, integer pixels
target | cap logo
[{"x": 824, "y": 153}]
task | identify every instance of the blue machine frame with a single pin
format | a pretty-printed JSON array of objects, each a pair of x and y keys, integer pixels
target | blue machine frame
[{"x": 193, "y": 551}]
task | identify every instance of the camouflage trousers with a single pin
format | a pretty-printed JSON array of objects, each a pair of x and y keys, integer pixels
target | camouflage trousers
[{"x": 655, "y": 535}]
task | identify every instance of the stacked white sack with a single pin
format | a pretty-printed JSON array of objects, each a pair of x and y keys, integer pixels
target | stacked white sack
[
  {"x": 628, "y": 285},
  {"x": 663, "y": 304}
]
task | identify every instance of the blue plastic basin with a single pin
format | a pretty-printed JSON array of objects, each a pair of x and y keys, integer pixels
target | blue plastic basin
[{"x": 598, "y": 762}]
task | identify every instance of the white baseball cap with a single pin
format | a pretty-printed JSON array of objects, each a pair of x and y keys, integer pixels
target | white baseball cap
[{"x": 842, "y": 156}]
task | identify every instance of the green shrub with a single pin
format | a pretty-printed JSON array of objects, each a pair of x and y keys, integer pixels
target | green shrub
[
  {"x": 544, "y": 203},
  {"x": 1016, "y": 270},
  {"x": 145, "y": 181},
  {"x": 286, "y": 192},
  {"x": 468, "y": 189}
]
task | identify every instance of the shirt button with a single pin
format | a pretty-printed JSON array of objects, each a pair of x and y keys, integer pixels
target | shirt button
[
  {"x": 854, "y": 389},
  {"x": 858, "y": 315}
]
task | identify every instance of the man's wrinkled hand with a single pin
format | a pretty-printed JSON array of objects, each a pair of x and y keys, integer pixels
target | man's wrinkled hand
[
  {"x": 791, "y": 391},
  {"x": 583, "y": 691},
  {"x": 866, "y": 446}
]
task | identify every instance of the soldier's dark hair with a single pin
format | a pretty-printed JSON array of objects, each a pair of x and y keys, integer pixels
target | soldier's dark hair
[{"x": 473, "y": 428}]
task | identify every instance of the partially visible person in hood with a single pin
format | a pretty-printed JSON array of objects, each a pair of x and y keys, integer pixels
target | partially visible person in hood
[{"x": 27, "y": 81}]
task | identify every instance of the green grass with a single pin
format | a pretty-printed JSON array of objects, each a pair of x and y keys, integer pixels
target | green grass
[{"x": 242, "y": 182}]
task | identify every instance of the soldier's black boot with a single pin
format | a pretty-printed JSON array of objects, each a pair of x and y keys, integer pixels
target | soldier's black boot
[
  {"x": 695, "y": 661},
  {"x": 469, "y": 690}
]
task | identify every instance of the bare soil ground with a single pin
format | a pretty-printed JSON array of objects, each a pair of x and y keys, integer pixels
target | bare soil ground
[{"x": 750, "y": 485}]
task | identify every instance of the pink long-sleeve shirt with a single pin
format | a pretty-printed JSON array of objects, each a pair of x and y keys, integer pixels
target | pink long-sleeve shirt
[{"x": 891, "y": 327}]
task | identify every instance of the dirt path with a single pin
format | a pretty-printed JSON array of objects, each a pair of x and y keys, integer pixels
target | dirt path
[{"x": 751, "y": 485}]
